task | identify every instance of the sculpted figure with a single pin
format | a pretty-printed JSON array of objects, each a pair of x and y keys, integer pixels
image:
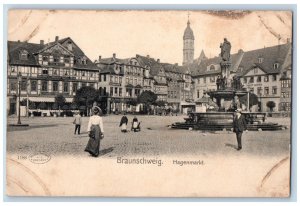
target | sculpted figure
[{"x": 225, "y": 50}]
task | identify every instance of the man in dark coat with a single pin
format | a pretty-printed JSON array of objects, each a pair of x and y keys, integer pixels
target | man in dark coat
[{"x": 239, "y": 125}]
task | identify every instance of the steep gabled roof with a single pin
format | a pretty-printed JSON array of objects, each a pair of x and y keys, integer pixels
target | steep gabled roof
[
  {"x": 270, "y": 55},
  {"x": 14, "y": 49}
]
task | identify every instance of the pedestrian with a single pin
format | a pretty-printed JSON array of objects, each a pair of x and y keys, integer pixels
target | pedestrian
[
  {"x": 123, "y": 123},
  {"x": 239, "y": 125},
  {"x": 77, "y": 122},
  {"x": 135, "y": 124},
  {"x": 95, "y": 130}
]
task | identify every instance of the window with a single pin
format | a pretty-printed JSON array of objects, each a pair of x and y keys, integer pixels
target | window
[
  {"x": 211, "y": 68},
  {"x": 116, "y": 91},
  {"x": 116, "y": 79},
  {"x": 23, "y": 55},
  {"x": 33, "y": 86},
  {"x": 276, "y": 65},
  {"x": 245, "y": 79},
  {"x": 266, "y": 90},
  {"x": 120, "y": 80},
  {"x": 111, "y": 91},
  {"x": 92, "y": 74},
  {"x": 260, "y": 60},
  {"x": 24, "y": 85},
  {"x": 55, "y": 59},
  {"x": 120, "y": 92},
  {"x": 286, "y": 83},
  {"x": 83, "y": 73},
  {"x": 45, "y": 71},
  {"x": 75, "y": 87},
  {"x": 251, "y": 80},
  {"x": 204, "y": 80},
  {"x": 83, "y": 85},
  {"x": 13, "y": 69},
  {"x": 66, "y": 86},
  {"x": 55, "y": 72},
  {"x": 212, "y": 79},
  {"x": 274, "y": 90},
  {"x": 44, "y": 86},
  {"x": 45, "y": 58},
  {"x": 198, "y": 94},
  {"x": 255, "y": 70},
  {"x": 13, "y": 85},
  {"x": 266, "y": 79},
  {"x": 274, "y": 77},
  {"x": 198, "y": 80},
  {"x": 251, "y": 90},
  {"x": 258, "y": 79},
  {"x": 137, "y": 92},
  {"x": 127, "y": 80},
  {"x": 67, "y": 60},
  {"x": 66, "y": 72},
  {"x": 55, "y": 86},
  {"x": 259, "y": 90}
]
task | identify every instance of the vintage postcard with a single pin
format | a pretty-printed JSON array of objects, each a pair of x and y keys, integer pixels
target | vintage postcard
[{"x": 160, "y": 103}]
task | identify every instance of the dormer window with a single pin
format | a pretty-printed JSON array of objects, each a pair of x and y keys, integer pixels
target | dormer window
[
  {"x": 55, "y": 59},
  {"x": 45, "y": 58},
  {"x": 212, "y": 68},
  {"x": 260, "y": 60},
  {"x": 70, "y": 46},
  {"x": 83, "y": 60},
  {"x": 23, "y": 55},
  {"x": 276, "y": 65}
]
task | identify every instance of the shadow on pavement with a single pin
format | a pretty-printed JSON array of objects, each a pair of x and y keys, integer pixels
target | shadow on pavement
[
  {"x": 13, "y": 128},
  {"x": 106, "y": 151},
  {"x": 231, "y": 145}
]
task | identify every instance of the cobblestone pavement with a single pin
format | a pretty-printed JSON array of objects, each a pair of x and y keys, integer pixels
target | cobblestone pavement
[{"x": 55, "y": 136}]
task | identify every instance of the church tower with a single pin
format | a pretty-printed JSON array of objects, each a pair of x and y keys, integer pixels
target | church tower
[{"x": 188, "y": 45}]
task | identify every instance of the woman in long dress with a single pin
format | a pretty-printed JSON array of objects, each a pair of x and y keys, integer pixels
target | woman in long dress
[{"x": 95, "y": 126}]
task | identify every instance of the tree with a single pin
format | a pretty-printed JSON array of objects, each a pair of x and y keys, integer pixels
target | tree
[
  {"x": 55, "y": 106},
  {"x": 74, "y": 106},
  {"x": 85, "y": 96},
  {"x": 271, "y": 105},
  {"x": 147, "y": 98},
  {"x": 160, "y": 103},
  {"x": 253, "y": 99},
  {"x": 60, "y": 100},
  {"x": 42, "y": 105},
  {"x": 32, "y": 105}
]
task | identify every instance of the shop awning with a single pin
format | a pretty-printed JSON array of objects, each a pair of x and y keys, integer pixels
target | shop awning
[{"x": 46, "y": 99}]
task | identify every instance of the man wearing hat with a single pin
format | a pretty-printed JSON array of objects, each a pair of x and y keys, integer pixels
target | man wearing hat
[{"x": 239, "y": 125}]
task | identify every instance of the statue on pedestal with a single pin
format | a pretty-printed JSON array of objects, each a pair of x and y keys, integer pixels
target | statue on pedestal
[{"x": 225, "y": 50}]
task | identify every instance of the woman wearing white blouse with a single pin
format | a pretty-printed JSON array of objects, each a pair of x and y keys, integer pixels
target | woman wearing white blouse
[{"x": 95, "y": 130}]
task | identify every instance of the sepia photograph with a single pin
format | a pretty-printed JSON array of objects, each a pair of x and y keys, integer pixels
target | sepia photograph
[{"x": 149, "y": 103}]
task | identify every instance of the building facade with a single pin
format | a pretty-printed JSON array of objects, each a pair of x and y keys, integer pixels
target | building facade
[{"x": 59, "y": 67}]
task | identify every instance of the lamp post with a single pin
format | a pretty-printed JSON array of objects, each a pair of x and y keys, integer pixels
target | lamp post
[{"x": 19, "y": 93}]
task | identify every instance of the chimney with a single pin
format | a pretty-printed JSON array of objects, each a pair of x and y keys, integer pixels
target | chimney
[
  {"x": 148, "y": 56},
  {"x": 19, "y": 41},
  {"x": 42, "y": 42},
  {"x": 56, "y": 38},
  {"x": 114, "y": 55},
  {"x": 99, "y": 58},
  {"x": 288, "y": 40},
  {"x": 158, "y": 60}
]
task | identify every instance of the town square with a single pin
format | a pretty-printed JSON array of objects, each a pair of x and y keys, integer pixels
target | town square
[{"x": 192, "y": 100}]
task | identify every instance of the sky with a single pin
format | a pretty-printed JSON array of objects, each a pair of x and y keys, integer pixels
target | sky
[{"x": 158, "y": 34}]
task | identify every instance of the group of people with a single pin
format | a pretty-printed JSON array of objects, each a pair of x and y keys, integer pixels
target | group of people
[
  {"x": 96, "y": 131},
  {"x": 135, "y": 124}
]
